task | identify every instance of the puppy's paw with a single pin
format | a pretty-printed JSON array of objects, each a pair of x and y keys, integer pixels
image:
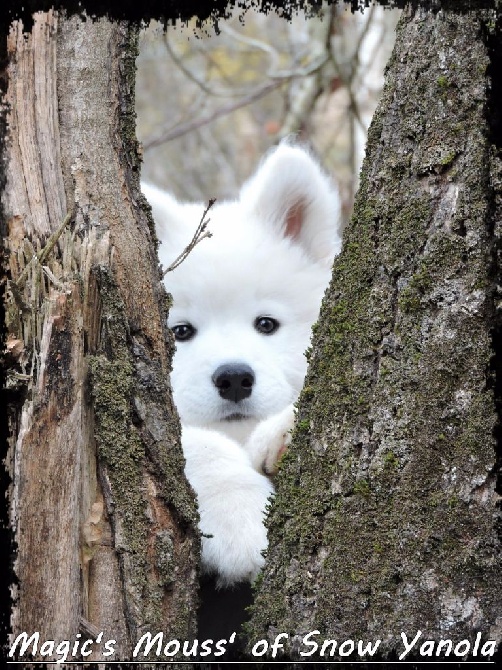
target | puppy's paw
[
  {"x": 234, "y": 551},
  {"x": 232, "y": 499},
  {"x": 270, "y": 439},
  {"x": 233, "y": 533}
]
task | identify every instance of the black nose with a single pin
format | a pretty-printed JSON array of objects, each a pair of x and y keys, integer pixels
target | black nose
[{"x": 234, "y": 381}]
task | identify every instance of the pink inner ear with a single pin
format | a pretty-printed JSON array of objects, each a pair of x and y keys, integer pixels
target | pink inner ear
[{"x": 294, "y": 220}]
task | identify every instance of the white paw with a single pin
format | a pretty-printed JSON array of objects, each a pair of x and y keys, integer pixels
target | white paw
[
  {"x": 235, "y": 546},
  {"x": 232, "y": 499},
  {"x": 269, "y": 440}
]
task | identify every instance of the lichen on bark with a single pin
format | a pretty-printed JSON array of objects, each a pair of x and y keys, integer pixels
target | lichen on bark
[
  {"x": 385, "y": 514},
  {"x": 124, "y": 448}
]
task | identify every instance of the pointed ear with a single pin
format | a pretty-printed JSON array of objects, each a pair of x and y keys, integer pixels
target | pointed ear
[{"x": 291, "y": 193}]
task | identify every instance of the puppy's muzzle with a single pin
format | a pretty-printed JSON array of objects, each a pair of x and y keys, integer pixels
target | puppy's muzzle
[{"x": 234, "y": 381}]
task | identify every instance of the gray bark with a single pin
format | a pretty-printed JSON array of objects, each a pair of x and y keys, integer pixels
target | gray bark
[
  {"x": 104, "y": 520},
  {"x": 385, "y": 519}
]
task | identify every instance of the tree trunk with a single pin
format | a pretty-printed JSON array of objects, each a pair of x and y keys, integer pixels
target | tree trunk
[
  {"x": 385, "y": 519},
  {"x": 104, "y": 519}
]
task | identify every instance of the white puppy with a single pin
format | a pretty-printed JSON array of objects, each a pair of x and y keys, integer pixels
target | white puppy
[{"x": 244, "y": 302}]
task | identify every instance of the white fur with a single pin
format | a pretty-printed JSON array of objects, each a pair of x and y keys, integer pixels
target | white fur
[
  {"x": 269, "y": 440},
  {"x": 232, "y": 500},
  {"x": 269, "y": 255}
]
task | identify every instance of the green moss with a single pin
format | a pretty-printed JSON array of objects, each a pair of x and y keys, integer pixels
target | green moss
[
  {"x": 384, "y": 371},
  {"x": 419, "y": 285},
  {"x": 390, "y": 459},
  {"x": 121, "y": 450},
  {"x": 356, "y": 575},
  {"x": 444, "y": 250},
  {"x": 308, "y": 392},
  {"x": 303, "y": 425},
  {"x": 377, "y": 548},
  {"x": 362, "y": 488},
  {"x": 119, "y": 447},
  {"x": 409, "y": 300},
  {"x": 448, "y": 158}
]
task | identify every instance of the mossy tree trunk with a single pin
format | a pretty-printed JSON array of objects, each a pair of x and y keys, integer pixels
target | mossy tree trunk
[
  {"x": 103, "y": 517},
  {"x": 385, "y": 519}
]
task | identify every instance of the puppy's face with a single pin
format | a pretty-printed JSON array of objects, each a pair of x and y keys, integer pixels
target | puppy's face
[
  {"x": 244, "y": 300},
  {"x": 243, "y": 305}
]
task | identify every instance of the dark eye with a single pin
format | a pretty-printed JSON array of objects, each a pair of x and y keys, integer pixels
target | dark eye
[
  {"x": 266, "y": 325},
  {"x": 183, "y": 332}
]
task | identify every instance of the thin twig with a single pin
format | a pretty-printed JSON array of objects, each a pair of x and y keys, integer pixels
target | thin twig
[
  {"x": 199, "y": 235},
  {"x": 362, "y": 36},
  {"x": 202, "y": 85},
  {"x": 188, "y": 73},
  {"x": 300, "y": 72},
  {"x": 253, "y": 42}
]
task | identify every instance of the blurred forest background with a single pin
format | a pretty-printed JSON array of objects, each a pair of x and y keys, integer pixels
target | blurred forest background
[{"x": 210, "y": 104}]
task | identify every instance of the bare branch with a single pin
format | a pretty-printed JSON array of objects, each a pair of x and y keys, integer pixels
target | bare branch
[
  {"x": 188, "y": 73},
  {"x": 222, "y": 111},
  {"x": 199, "y": 235},
  {"x": 214, "y": 92},
  {"x": 258, "y": 44},
  {"x": 308, "y": 89}
]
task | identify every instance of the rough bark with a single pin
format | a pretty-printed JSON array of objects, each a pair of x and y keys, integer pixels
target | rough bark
[
  {"x": 385, "y": 519},
  {"x": 104, "y": 519}
]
